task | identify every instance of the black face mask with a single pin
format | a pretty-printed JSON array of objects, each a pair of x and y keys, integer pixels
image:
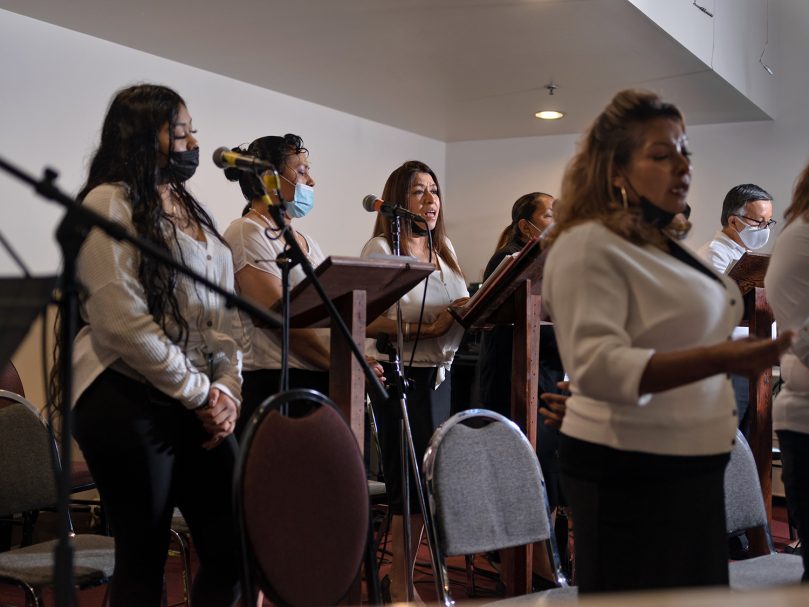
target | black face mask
[
  {"x": 181, "y": 166},
  {"x": 653, "y": 214}
]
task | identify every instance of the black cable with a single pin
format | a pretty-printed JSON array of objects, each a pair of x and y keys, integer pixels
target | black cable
[{"x": 423, "y": 300}]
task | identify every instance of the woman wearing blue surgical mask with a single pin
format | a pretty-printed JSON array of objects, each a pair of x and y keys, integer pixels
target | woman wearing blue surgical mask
[{"x": 256, "y": 244}]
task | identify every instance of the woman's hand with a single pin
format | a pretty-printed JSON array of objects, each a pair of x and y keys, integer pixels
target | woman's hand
[
  {"x": 444, "y": 321},
  {"x": 218, "y": 417},
  {"x": 667, "y": 370},
  {"x": 555, "y": 406},
  {"x": 751, "y": 355},
  {"x": 376, "y": 368}
]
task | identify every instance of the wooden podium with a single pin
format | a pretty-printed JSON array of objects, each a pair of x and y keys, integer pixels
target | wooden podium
[
  {"x": 748, "y": 272},
  {"x": 361, "y": 288},
  {"x": 512, "y": 295}
]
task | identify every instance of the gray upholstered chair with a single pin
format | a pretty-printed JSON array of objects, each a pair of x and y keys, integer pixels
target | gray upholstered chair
[
  {"x": 486, "y": 492},
  {"x": 301, "y": 503},
  {"x": 28, "y": 472},
  {"x": 744, "y": 511}
]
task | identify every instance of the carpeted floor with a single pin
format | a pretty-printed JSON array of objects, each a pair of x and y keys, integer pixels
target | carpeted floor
[{"x": 486, "y": 580}]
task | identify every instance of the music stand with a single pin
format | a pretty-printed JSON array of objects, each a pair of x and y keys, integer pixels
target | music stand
[
  {"x": 361, "y": 288},
  {"x": 748, "y": 272},
  {"x": 511, "y": 295},
  {"x": 21, "y": 301}
]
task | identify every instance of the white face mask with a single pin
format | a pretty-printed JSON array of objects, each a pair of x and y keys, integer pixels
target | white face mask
[{"x": 754, "y": 238}]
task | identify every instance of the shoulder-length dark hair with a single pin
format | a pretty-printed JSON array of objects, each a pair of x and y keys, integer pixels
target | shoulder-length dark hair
[
  {"x": 397, "y": 190},
  {"x": 523, "y": 208},
  {"x": 588, "y": 192}
]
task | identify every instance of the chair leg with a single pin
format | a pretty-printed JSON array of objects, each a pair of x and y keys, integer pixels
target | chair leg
[
  {"x": 469, "y": 559},
  {"x": 185, "y": 556}
]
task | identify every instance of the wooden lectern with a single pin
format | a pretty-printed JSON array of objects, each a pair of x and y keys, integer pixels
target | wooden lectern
[
  {"x": 361, "y": 288},
  {"x": 511, "y": 295},
  {"x": 748, "y": 272}
]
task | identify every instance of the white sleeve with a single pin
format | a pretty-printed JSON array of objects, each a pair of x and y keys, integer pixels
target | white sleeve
[
  {"x": 116, "y": 309},
  {"x": 589, "y": 302},
  {"x": 252, "y": 247}
]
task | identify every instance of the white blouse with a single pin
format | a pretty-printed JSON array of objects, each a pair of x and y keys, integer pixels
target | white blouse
[
  {"x": 615, "y": 304},
  {"x": 122, "y": 333},
  {"x": 443, "y": 287},
  {"x": 252, "y": 246},
  {"x": 787, "y": 284}
]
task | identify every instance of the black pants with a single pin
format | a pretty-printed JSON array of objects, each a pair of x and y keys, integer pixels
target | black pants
[
  {"x": 427, "y": 409},
  {"x": 145, "y": 453},
  {"x": 260, "y": 384},
  {"x": 795, "y": 474},
  {"x": 644, "y": 521}
]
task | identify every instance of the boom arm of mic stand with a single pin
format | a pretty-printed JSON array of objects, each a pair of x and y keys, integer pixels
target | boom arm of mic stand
[
  {"x": 72, "y": 230},
  {"x": 298, "y": 257}
]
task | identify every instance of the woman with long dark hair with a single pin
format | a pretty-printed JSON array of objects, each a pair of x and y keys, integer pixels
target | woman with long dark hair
[
  {"x": 157, "y": 373},
  {"x": 414, "y": 185},
  {"x": 643, "y": 328}
]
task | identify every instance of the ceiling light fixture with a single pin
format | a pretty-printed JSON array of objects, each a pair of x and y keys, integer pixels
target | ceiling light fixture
[{"x": 550, "y": 114}]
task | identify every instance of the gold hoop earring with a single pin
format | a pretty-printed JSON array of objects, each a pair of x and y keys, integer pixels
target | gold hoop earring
[{"x": 624, "y": 198}]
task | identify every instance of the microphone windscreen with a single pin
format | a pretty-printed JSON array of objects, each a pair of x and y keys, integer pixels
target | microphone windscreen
[
  {"x": 369, "y": 202},
  {"x": 219, "y": 157}
]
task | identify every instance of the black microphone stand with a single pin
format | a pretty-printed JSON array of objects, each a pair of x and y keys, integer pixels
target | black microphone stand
[
  {"x": 73, "y": 229},
  {"x": 408, "y": 450}
]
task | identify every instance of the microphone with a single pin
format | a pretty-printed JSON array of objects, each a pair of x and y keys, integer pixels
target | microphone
[
  {"x": 224, "y": 158},
  {"x": 372, "y": 204}
]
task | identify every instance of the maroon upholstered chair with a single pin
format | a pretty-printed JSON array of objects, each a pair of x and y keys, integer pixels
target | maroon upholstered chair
[{"x": 302, "y": 503}]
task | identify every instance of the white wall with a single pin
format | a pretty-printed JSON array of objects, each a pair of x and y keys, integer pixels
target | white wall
[
  {"x": 730, "y": 42},
  {"x": 486, "y": 177},
  {"x": 56, "y": 85}
]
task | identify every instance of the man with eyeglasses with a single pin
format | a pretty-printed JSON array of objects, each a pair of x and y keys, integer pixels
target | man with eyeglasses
[{"x": 746, "y": 221}]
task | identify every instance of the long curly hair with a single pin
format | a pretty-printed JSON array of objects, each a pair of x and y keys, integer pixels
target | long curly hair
[
  {"x": 129, "y": 154},
  {"x": 588, "y": 192},
  {"x": 397, "y": 189}
]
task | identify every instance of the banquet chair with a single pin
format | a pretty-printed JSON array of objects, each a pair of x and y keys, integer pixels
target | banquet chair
[
  {"x": 486, "y": 492},
  {"x": 28, "y": 472},
  {"x": 744, "y": 511},
  {"x": 302, "y": 505}
]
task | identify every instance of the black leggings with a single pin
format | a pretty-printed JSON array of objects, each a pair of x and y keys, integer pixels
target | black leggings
[{"x": 145, "y": 453}]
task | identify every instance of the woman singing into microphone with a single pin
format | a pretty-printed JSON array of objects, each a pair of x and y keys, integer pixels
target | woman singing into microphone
[
  {"x": 257, "y": 244},
  {"x": 415, "y": 186}
]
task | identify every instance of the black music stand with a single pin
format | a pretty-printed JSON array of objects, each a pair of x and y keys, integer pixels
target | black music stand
[{"x": 21, "y": 301}]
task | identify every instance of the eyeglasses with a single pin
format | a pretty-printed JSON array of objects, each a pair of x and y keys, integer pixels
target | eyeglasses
[{"x": 760, "y": 223}]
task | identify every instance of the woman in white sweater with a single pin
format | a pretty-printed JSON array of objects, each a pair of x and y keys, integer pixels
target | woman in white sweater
[
  {"x": 643, "y": 331},
  {"x": 787, "y": 283},
  {"x": 157, "y": 371}
]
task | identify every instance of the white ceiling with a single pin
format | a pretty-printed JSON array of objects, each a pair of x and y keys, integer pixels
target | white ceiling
[{"x": 453, "y": 70}]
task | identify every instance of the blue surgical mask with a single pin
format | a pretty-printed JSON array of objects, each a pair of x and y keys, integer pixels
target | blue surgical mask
[{"x": 303, "y": 202}]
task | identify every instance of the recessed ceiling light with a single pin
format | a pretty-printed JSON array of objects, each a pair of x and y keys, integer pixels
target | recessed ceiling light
[{"x": 549, "y": 115}]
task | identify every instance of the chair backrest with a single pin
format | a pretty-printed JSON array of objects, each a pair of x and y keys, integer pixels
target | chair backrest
[
  {"x": 744, "y": 504},
  {"x": 10, "y": 380},
  {"x": 27, "y": 452},
  {"x": 302, "y": 501},
  {"x": 485, "y": 485}
]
